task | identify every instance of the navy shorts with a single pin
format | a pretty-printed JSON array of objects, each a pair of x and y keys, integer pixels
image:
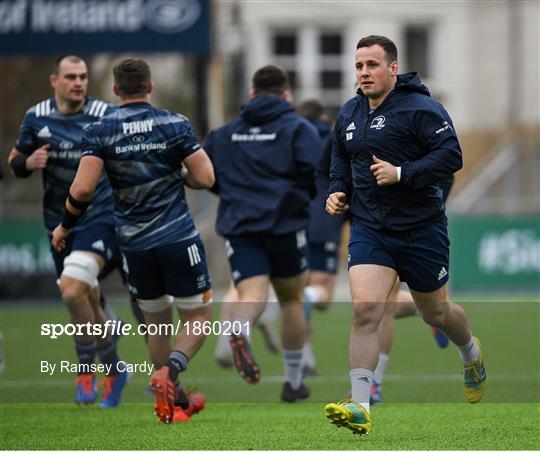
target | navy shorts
[
  {"x": 97, "y": 238},
  {"x": 420, "y": 256},
  {"x": 279, "y": 256},
  {"x": 177, "y": 269},
  {"x": 323, "y": 257}
]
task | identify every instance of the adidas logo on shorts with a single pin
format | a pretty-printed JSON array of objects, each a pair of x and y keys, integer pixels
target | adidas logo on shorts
[
  {"x": 442, "y": 273},
  {"x": 98, "y": 245},
  {"x": 351, "y": 126}
]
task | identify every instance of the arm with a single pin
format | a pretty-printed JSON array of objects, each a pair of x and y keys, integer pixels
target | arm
[
  {"x": 22, "y": 165},
  {"x": 436, "y": 134},
  {"x": 80, "y": 194},
  {"x": 340, "y": 167},
  {"x": 200, "y": 171}
]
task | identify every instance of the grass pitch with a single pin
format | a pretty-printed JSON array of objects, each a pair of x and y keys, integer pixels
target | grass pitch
[{"x": 423, "y": 404}]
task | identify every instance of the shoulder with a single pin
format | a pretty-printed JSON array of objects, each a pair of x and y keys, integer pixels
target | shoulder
[
  {"x": 98, "y": 108},
  {"x": 348, "y": 109},
  {"x": 41, "y": 109},
  {"x": 93, "y": 128},
  {"x": 228, "y": 127},
  {"x": 304, "y": 124},
  {"x": 170, "y": 117}
]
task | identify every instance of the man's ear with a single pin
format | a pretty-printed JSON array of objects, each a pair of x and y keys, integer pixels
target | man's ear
[
  {"x": 394, "y": 67},
  {"x": 53, "y": 79},
  {"x": 150, "y": 87},
  {"x": 115, "y": 90},
  {"x": 286, "y": 95}
]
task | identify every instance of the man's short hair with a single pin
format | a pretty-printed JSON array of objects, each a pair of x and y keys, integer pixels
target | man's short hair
[
  {"x": 67, "y": 56},
  {"x": 270, "y": 80},
  {"x": 390, "y": 49},
  {"x": 131, "y": 77},
  {"x": 311, "y": 109}
]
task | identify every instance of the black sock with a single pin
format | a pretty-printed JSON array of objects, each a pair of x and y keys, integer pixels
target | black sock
[
  {"x": 107, "y": 355},
  {"x": 177, "y": 363},
  {"x": 86, "y": 354},
  {"x": 181, "y": 399}
]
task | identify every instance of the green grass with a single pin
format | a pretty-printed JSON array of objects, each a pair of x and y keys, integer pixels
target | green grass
[
  {"x": 423, "y": 397},
  {"x": 271, "y": 426}
]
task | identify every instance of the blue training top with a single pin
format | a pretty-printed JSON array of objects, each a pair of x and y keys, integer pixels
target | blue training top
[
  {"x": 44, "y": 124},
  {"x": 265, "y": 162},
  {"x": 408, "y": 129},
  {"x": 143, "y": 148}
]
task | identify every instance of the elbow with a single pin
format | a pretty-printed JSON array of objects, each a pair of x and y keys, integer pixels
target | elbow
[
  {"x": 207, "y": 180},
  {"x": 81, "y": 193}
]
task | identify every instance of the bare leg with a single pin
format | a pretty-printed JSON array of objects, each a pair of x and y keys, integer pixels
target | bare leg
[{"x": 448, "y": 317}]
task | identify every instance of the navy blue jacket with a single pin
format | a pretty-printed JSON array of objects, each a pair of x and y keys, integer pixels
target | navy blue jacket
[
  {"x": 408, "y": 129},
  {"x": 265, "y": 162},
  {"x": 322, "y": 226}
]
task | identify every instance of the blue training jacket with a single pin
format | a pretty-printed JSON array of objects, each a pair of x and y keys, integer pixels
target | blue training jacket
[
  {"x": 408, "y": 129},
  {"x": 322, "y": 226},
  {"x": 265, "y": 163}
]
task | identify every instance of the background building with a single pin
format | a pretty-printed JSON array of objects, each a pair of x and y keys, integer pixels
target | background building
[{"x": 480, "y": 58}]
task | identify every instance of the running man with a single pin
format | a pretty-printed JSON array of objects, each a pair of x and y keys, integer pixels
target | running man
[
  {"x": 50, "y": 142},
  {"x": 392, "y": 146},
  {"x": 142, "y": 149},
  {"x": 265, "y": 161}
]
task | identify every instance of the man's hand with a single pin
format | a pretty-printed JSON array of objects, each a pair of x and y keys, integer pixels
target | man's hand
[
  {"x": 336, "y": 203},
  {"x": 38, "y": 158},
  {"x": 384, "y": 172},
  {"x": 59, "y": 238}
]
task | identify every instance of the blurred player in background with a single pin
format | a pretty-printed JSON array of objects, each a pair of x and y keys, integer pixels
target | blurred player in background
[
  {"x": 50, "y": 141},
  {"x": 142, "y": 149},
  {"x": 400, "y": 305},
  {"x": 265, "y": 162},
  {"x": 392, "y": 146},
  {"x": 323, "y": 232}
]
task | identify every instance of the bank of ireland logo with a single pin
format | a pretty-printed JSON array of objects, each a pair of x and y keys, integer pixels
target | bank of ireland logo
[
  {"x": 172, "y": 16},
  {"x": 377, "y": 123}
]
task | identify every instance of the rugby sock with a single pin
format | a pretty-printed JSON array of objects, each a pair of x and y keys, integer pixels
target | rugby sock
[
  {"x": 311, "y": 295},
  {"x": 292, "y": 359},
  {"x": 107, "y": 355},
  {"x": 86, "y": 354},
  {"x": 381, "y": 367},
  {"x": 361, "y": 381},
  {"x": 223, "y": 351},
  {"x": 469, "y": 352},
  {"x": 177, "y": 363},
  {"x": 309, "y": 357}
]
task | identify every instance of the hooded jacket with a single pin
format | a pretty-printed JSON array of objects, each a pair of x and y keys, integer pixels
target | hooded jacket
[
  {"x": 323, "y": 227},
  {"x": 408, "y": 129},
  {"x": 265, "y": 163}
]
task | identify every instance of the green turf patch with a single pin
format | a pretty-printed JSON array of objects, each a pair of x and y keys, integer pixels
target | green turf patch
[
  {"x": 270, "y": 426},
  {"x": 423, "y": 396}
]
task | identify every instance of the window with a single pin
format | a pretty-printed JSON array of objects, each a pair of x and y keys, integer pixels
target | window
[
  {"x": 331, "y": 79},
  {"x": 285, "y": 44},
  {"x": 330, "y": 44},
  {"x": 417, "y": 49}
]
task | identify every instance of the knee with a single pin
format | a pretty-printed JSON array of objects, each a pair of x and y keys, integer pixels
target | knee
[
  {"x": 73, "y": 291},
  {"x": 367, "y": 315},
  {"x": 435, "y": 318}
]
